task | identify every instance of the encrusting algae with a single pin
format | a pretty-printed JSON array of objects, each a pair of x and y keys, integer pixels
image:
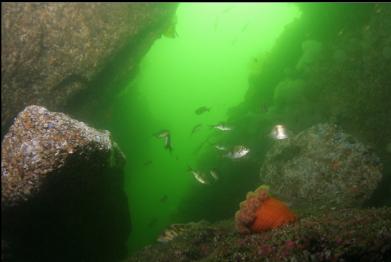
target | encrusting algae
[{"x": 261, "y": 212}]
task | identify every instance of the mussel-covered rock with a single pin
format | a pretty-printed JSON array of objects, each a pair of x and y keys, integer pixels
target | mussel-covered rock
[
  {"x": 62, "y": 190},
  {"x": 322, "y": 167}
]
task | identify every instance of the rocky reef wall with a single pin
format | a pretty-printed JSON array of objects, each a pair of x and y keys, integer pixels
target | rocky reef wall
[{"x": 69, "y": 56}]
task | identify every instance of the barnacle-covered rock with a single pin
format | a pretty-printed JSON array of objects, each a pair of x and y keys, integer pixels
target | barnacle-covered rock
[
  {"x": 66, "y": 178},
  {"x": 322, "y": 167},
  {"x": 41, "y": 143}
]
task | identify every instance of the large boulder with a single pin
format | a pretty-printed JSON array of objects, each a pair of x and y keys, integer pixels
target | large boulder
[
  {"x": 321, "y": 167},
  {"x": 62, "y": 191},
  {"x": 56, "y": 53}
]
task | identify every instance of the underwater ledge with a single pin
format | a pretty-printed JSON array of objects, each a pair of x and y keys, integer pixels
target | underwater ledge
[{"x": 333, "y": 235}]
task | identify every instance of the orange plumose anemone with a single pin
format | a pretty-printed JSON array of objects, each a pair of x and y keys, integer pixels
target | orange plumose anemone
[{"x": 261, "y": 212}]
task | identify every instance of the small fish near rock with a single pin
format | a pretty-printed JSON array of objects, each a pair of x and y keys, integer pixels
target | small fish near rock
[
  {"x": 222, "y": 127},
  {"x": 237, "y": 152},
  {"x": 279, "y": 132}
]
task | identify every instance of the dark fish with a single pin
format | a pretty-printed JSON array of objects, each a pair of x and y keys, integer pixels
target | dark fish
[
  {"x": 147, "y": 163},
  {"x": 195, "y": 128},
  {"x": 152, "y": 222},
  {"x": 244, "y": 28},
  {"x": 167, "y": 143},
  {"x": 163, "y": 199},
  {"x": 202, "y": 110},
  {"x": 202, "y": 144},
  {"x": 234, "y": 40},
  {"x": 226, "y": 10},
  {"x": 264, "y": 109},
  {"x": 216, "y": 24}
]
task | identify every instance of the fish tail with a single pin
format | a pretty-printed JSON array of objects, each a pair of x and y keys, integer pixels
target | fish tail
[{"x": 169, "y": 147}]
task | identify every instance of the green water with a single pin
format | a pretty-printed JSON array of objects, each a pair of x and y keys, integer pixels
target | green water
[{"x": 217, "y": 49}]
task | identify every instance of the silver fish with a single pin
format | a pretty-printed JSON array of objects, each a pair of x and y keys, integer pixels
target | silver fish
[
  {"x": 162, "y": 133},
  {"x": 238, "y": 151},
  {"x": 213, "y": 173},
  {"x": 222, "y": 127},
  {"x": 199, "y": 176},
  {"x": 165, "y": 134},
  {"x": 220, "y": 147},
  {"x": 279, "y": 132}
]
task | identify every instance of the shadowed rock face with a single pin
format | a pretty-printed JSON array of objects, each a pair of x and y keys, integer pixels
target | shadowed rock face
[
  {"x": 52, "y": 52},
  {"x": 62, "y": 191}
]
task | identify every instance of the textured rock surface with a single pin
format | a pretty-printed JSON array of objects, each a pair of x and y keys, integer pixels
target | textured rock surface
[
  {"x": 53, "y": 52},
  {"x": 322, "y": 167},
  {"x": 343, "y": 235},
  {"x": 62, "y": 190}
]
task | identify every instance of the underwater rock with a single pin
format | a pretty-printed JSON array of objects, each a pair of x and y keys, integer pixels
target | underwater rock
[
  {"x": 54, "y": 53},
  {"x": 311, "y": 51},
  {"x": 321, "y": 167},
  {"x": 339, "y": 235},
  {"x": 67, "y": 179}
]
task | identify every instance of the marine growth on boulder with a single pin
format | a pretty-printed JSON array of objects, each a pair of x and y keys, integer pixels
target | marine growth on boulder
[
  {"x": 322, "y": 167},
  {"x": 62, "y": 190}
]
